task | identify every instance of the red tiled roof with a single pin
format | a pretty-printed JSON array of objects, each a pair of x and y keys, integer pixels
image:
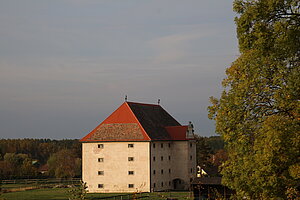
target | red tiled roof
[{"x": 138, "y": 122}]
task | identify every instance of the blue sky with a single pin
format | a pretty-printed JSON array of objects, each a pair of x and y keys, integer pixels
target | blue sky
[{"x": 65, "y": 65}]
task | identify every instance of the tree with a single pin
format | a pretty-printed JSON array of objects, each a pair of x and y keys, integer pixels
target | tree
[
  {"x": 203, "y": 151},
  {"x": 258, "y": 113},
  {"x": 62, "y": 164}
]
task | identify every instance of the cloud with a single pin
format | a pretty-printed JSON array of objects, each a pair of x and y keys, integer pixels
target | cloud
[{"x": 175, "y": 47}]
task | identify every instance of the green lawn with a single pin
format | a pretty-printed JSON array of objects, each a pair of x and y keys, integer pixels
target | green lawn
[{"x": 61, "y": 194}]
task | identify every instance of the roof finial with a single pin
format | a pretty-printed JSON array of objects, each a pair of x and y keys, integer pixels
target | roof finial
[
  {"x": 125, "y": 98},
  {"x": 158, "y": 102}
]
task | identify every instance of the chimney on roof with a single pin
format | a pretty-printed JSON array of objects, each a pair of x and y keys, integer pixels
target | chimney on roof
[
  {"x": 158, "y": 102},
  {"x": 125, "y": 98}
]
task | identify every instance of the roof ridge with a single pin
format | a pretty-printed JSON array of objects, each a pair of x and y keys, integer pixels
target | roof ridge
[{"x": 145, "y": 104}]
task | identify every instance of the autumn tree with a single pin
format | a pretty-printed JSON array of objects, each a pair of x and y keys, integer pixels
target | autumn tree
[
  {"x": 258, "y": 113},
  {"x": 63, "y": 164}
]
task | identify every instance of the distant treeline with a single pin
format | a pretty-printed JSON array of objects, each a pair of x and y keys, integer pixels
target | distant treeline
[{"x": 34, "y": 158}]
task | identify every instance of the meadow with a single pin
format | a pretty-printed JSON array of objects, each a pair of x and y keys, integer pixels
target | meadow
[{"x": 62, "y": 194}]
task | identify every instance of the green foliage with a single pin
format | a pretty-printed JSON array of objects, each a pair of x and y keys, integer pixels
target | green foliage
[
  {"x": 21, "y": 158},
  {"x": 258, "y": 114},
  {"x": 63, "y": 164},
  {"x": 203, "y": 151},
  {"x": 78, "y": 192}
]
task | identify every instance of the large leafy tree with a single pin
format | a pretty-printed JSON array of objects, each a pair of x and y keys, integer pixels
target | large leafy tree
[{"x": 258, "y": 113}]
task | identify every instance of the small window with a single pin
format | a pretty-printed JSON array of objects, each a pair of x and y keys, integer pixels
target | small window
[
  {"x": 169, "y": 157},
  {"x": 162, "y": 184},
  {"x": 130, "y": 145},
  {"x": 191, "y": 157},
  {"x": 162, "y": 145},
  {"x": 154, "y": 171},
  {"x": 100, "y": 159},
  {"x": 130, "y": 172},
  {"x": 169, "y": 145},
  {"x": 169, "y": 171},
  {"x": 130, "y": 185},
  {"x": 154, "y": 185},
  {"x": 100, "y": 186},
  {"x": 101, "y": 173},
  {"x": 130, "y": 158},
  {"x": 191, "y": 179},
  {"x": 100, "y": 146},
  {"x": 162, "y": 171},
  {"x": 161, "y": 158},
  {"x": 153, "y": 158},
  {"x": 191, "y": 170},
  {"x": 191, "y": 144},
  {"x": 153, "y": 145},
  {"x": 169, "y": 183}
]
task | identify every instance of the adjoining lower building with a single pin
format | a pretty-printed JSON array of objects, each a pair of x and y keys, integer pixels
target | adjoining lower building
[{"x": 139, "y": 148}]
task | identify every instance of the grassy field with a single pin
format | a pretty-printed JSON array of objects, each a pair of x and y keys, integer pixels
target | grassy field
[{"x": 61, "y": 194}]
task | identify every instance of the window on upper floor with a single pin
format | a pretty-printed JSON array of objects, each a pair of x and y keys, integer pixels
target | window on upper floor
[
  {"x": 169, "y": 157},
  {"x": 130, "y": 145},
  {"x": 100, "y": 186},
  {"x": 161, "y": 158},
  {"x": 130, "y": 158},
  {"x": 191, "y": 144},
  {"x": 162, "y": 184},
  {"x": 153, "y": 158},
  {"x": 154, "y": 171},
  {"x": 191, "y": 157},
  {"x": 130, "y": 172},
  {"x": 154, "y": 185},
  {"x": 169, "y": 145},
  {"x": 169, "y": 171},
  {"x": 162, "y": 171},
  {"x": 130, "y": 185},
  {"x": 100, "y": 146},
  {"x": 162, "y": 145},
  {"x": 153, "y": 145},
  {"x": 101, "y": 173},
  {"x": 100, "y": 159}
]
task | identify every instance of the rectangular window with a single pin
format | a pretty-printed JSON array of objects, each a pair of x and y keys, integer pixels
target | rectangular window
[
  {"x": 169, "y": 183},
  {"x": 100, "y": 146},
  {"x": 130, "y": 158},
  {"x": 161, "y": 158},
  {"x": 191, "y": 144},
  {"x": 169, "y": 171},
  {"x": 162, "y": 184},
  {"x": 162, "y": 171},
  {"x": 100, "y": 159},
  {"x": 153, "y": 171},
  {"x": 130, "y": 145},
  {"x": 162, "y": 145},
  {"x": 101, "y": 173},
  {"x": 100, "y": 186},
  {"x": 130, "y": 172},
  {"x": 169, "y": 157},
  {"x": 191, "y": 170},
  {"x": 130, "y": 185},
  {"x": 191, "y": 157},
  {"x": 153, "y": 145},
  {"x": 153, "y": 158},
  {"x": 169, "y": 145},
  {"x": 154, "y": 185}
]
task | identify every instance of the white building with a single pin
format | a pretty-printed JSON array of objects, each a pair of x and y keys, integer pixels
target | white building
[{"x": 139, "y": 147}]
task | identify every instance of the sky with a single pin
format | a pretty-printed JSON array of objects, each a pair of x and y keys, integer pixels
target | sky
[{"x": 66, "y": 65}]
